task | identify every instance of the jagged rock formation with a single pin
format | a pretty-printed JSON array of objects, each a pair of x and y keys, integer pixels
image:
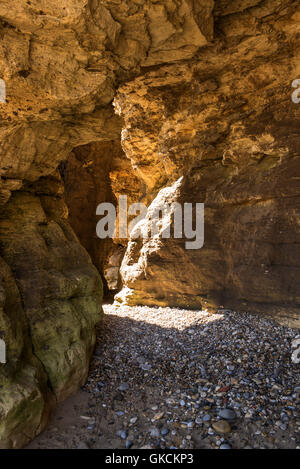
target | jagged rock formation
[
  {"x": 225, "y": 122},
  {"x": 62, "y": 62},
  {"x": 203, "y": 93}
]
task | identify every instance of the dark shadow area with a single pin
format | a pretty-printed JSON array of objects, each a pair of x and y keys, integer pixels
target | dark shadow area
[{"x": 87, "y": 180}]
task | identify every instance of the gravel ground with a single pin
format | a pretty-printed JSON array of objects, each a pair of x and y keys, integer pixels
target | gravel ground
[{"x": 170, "y": 378}]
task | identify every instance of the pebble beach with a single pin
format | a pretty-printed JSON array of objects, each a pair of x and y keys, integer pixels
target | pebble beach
[{"x": 173, "y": 378}]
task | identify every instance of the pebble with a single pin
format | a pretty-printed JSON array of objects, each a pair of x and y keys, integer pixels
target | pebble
[
  {"x": 227, "y": 414},
  {"x": 154, "y": 432},
  {"x": 124, "y": 387},
  {"x": 122, "y": 434},
  {"x": 158, "y": 416},
  {"x": 133, "y": 420},
  {"x": 145, "y": 367},
  {"x": 221, "y": 426},
  {"x": 234, "y": 370}
]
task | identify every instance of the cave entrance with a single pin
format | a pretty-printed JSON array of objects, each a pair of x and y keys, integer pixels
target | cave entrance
[{"x": 96, "y": 173}]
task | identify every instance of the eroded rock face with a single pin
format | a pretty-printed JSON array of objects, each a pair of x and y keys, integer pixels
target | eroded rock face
[
  {"x": 204, "y": 100},
  {"x": 93, "y": 174},
  {"x": 62, "y": 63},
  {"x": 224, "y": 123},
  {"x": 51, "y": 302},
  {"x": 23, "y": 382}
]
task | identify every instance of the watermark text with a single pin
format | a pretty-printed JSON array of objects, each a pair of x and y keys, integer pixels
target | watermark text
[{"x": 187, "y": 221}]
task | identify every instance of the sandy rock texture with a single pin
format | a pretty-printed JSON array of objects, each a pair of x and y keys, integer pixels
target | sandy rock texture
[
  {"x": 202, "y": 94},
  {"x": 222, "y": 129},
  {"x": 62, "y": 63},
  {"x": 92, "y": 174}
]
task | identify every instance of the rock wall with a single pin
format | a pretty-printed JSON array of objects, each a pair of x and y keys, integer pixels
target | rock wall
[
  {"x": 50, "y": 302},
  {"x": 92, "y": 174},
  {"x": 224, "y": 124},
  {"x": 62, "y": 63},
  {"x": 202, "y": 90}
]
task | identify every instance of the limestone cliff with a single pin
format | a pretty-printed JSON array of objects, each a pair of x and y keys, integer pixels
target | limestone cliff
[{"x": 202, "y": 94}]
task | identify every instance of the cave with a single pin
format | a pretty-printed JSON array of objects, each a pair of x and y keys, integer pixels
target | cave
[
  {"x": 89, "y": 176},
  {"x": 186, "y": 102}
]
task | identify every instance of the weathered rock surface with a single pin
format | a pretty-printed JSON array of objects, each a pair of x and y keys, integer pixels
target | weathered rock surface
[
  {"x": 96, "y": 173},
  {"x": 51, "y": 301},
  {"x": 203, "y": 93},
  {"x": 61, "y": 63},
  {"x": 224, "y": 125}
]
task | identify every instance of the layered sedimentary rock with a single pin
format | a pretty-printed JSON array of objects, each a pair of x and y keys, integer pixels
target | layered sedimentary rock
[
  {"x": 202, "y": 92},
  {"x": 62, "y": 63},
  {"x": 226, "y": 125}
]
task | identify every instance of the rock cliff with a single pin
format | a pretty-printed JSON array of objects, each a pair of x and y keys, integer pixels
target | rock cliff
[
  {"x": 198, "y": 94},
  {"x": 224, "y": 124}
]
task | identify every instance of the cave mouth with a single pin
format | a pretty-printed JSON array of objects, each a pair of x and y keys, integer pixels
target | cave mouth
[{"x": 93, "y": 174}]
